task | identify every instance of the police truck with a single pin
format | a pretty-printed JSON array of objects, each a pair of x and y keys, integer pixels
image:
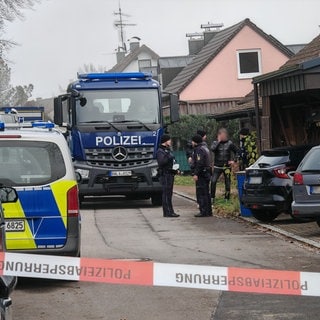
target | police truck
[{"x": 114, "y": 122}]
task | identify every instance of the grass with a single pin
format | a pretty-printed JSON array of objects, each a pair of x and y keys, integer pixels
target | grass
[
  {"x": 183, "y": 181},
  {"x": 222, "y": 207},
  {"x": 227, "y": 208}
]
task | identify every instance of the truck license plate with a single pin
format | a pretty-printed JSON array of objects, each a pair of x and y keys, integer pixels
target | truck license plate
[
  {"x": 255, "y": 180},
  {"x": 15, "y": 225},
  {"x": 120, "y": 173}
]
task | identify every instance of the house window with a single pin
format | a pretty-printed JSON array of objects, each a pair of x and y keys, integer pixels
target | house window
[
  {"x": 249, "y": 63},
  {"x": 145, "y": 63}
]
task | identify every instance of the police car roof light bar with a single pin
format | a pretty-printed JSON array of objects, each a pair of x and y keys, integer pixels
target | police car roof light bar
[
  {"x": 115, "y": 76},
  {"x": 38, "y": 124},
  {"x": 42, "y": 124}
]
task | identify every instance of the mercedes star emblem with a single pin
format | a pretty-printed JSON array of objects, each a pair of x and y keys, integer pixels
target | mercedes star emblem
[{"x": 119, "y": 153}]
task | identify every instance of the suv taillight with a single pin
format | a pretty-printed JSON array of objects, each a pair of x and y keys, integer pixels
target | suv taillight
[
  {"x": 73, "y": 202},
  {"x": 281, "y": 173},
  {"x": 298, "y": 178}
]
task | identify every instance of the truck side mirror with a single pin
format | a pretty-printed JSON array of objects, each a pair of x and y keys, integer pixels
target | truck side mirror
[
  {"x": 58, "y": 112},
  {"x": 8, "y": 194},
  {"x": 174, "y": 108}
]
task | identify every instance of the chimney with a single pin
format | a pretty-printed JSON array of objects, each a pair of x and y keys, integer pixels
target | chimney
[
  {"x": 210, "y": 30},
  {"x": 195, "y": 45},
  {"x": 120, "y": 56},
  {"x": 134, "y": 46},
  {"x": 208, "y": 35}
]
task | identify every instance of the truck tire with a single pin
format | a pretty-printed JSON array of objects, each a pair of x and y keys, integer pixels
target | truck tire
[
  {"x": 156, "y": 200},
  {"x": 265, "y": 215}
]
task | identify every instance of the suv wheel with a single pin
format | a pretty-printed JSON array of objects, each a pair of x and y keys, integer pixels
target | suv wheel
[
  {"x": 265, "y": 215},
  {"x": 156, "y": 199}
]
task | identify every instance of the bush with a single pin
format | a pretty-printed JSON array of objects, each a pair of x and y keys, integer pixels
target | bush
[{"x": 182, "y": 131}]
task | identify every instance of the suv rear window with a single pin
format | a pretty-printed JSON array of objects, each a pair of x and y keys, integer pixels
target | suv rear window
[
  {"x": 311, "y": 162},
  {"x": 266, "y": 161},
  {"x": 30, "y": 163}
]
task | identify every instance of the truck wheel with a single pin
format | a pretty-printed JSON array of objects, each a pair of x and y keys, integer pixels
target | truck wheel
[
  {"x": 264, "y": 216},
  {"x": 156, "y": 200}
]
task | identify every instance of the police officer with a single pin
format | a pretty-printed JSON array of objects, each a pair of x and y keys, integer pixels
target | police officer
[
  {"x": 165, "y": 160},
  {"x": 189, "y": 149},
  {"x": 201, "y": 171}
]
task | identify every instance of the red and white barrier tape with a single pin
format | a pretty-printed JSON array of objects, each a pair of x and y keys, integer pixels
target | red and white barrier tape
[{"x": 161, "y": 274}]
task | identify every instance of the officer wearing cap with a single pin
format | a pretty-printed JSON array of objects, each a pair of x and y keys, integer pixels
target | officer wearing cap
[
  {"x": 201, "y": 171},
  {"x": 165, "y": 161},
  {"x": 189, "y": 149}
]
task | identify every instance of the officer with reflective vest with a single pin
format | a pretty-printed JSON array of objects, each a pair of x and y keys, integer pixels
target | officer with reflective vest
[
  {"x": 165, "y": 161},
  {"x": 201, "y": 171}
]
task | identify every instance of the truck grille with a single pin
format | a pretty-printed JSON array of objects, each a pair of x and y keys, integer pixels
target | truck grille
[{"x": 135, "y": 156}]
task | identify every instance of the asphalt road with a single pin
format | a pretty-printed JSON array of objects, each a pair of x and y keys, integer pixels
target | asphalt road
[{"x": 136, "y": 230}]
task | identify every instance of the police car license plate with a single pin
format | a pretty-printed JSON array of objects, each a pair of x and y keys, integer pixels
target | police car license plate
[
  {"x": 15, "y": 225},
  {"x": 120, "y": 173}
]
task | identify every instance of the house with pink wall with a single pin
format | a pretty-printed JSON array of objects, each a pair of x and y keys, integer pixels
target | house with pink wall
[{"x": 220, "y": 74}]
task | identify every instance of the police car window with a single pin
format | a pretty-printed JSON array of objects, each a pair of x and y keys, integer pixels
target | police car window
[{"x": 28, "y": 163}]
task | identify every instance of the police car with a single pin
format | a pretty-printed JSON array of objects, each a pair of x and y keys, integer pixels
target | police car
[{"x": 35, "y": 160}]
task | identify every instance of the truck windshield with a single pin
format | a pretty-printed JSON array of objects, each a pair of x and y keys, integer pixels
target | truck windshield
[{"x": 119, "y": 106}]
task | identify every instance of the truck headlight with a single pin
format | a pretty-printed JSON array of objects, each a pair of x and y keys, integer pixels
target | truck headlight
[
  {"x": 154, "y": 172},
  {"x": 83, "y": 173}
]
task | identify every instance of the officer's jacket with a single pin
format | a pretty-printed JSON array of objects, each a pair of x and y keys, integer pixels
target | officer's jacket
[
  {"x": 201, "y": 159},
  {"x": 165, "y": 159},
  {"x": 223, "y": 152}
]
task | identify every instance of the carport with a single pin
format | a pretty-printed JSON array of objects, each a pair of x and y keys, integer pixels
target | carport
[{"x": 290, "y": 99}]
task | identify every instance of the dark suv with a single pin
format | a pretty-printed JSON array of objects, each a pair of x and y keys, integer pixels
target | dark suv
[{"x": 268, "y": 186}]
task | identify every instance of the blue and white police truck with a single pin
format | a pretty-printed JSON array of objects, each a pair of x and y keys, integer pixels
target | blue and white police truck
[{"x": 114, "y": 122}]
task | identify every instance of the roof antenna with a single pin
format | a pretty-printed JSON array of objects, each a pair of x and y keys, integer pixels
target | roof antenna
[
  {"x": 120, "y": 24},
  {"x": 209, "y": 26}
]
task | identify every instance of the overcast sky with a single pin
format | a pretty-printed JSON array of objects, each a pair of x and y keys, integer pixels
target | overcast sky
[{"x": 59, "y": 36}]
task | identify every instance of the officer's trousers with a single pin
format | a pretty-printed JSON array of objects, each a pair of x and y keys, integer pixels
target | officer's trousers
[
  {"x": 166, "y": 181},
  {"x": 203, "y": 194}
]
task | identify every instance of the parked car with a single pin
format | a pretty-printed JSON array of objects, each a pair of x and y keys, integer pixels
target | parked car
[
  {"x": 7, "y": 283},
  {"x": 306, "y": 187},
  {"x": 268, "y": 186}
]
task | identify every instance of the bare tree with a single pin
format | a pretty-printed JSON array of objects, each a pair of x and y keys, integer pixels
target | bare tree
[
  {"x": 87, "y": 68},
  {"x": 12, "y": 96},
  {"x": 9, "y": 10}
]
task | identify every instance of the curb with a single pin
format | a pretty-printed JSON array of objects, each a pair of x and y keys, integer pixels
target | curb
[{"x": 269, "y": 227}]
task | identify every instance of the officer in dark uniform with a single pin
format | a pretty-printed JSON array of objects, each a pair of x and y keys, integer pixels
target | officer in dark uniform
[
  {"x": 165, "y": 160},
  {"x": 189, "y": 148},
  {"x": 201, "y": 171}
]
